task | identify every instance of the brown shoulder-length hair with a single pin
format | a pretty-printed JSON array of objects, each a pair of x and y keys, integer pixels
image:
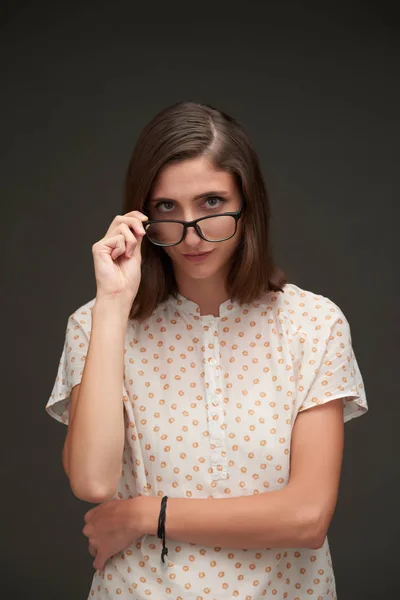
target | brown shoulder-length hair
[{"x": 189, "y": 130}]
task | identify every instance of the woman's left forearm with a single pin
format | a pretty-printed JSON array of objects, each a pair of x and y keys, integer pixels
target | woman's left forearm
[{"x": 274, "y": 519}]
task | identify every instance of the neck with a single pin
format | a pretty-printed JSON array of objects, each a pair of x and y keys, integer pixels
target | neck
[{"x": 209, "y": 293}]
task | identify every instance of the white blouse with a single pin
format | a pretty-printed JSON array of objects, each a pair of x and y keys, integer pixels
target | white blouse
[{"x": 209, "y": 404}]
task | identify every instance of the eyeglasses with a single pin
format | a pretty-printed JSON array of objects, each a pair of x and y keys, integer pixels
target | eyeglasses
[{"x": 214, "y": 228}]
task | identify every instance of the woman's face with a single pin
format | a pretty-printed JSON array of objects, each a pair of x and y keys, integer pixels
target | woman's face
[{"x": 188, "y": 190}]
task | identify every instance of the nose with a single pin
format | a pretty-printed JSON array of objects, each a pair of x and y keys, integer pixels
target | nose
[{"x": 192, "y": 238}]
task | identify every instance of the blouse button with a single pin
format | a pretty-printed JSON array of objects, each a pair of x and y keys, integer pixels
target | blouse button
[{"x": 213, "y": 362}]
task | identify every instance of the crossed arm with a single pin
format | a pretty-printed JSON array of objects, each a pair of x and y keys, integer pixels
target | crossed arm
[{"x": 297, "y": 516}]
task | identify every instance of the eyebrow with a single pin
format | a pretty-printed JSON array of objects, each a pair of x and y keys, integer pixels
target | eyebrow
[{"x": 197, "y": 197}]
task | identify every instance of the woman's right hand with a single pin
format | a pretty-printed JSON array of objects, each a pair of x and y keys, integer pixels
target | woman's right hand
[{"x": 117, "y": 257}]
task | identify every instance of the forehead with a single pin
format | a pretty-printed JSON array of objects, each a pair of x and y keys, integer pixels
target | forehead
[{"x": 188, "y": 178}]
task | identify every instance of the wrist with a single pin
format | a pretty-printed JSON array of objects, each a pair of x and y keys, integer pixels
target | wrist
[
  {"x": 116, "y": 304},
  {"x": 146, "y": 510}
]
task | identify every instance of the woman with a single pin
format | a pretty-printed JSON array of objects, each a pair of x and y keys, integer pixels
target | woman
[{"x": 205, "y": 396}]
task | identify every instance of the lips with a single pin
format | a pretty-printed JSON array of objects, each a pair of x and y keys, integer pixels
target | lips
[{"x": 198, "y": 256}]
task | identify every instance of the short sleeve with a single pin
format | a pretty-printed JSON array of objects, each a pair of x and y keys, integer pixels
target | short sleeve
[
  {"x": 72, "y": 362},
  {"x": 337, "y": 374}
]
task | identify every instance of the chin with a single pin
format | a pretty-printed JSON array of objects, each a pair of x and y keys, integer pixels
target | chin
[{"x": 203, "y": 272}]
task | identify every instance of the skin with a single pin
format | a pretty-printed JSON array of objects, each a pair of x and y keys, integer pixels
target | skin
[
  {"x": 205, "y": 282},
  {"x": 298, "y": 515}
]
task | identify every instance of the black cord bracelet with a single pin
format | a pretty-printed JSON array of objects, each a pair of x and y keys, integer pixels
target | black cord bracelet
[{"x": 161, "y": 527}]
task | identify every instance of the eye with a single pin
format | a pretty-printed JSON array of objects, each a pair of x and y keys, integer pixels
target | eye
[
  {"x": 164, "y": 206},
  {"x": 214, "y": 201}
]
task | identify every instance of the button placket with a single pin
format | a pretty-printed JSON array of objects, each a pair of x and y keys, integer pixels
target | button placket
[{"x": 213, "y": 380}]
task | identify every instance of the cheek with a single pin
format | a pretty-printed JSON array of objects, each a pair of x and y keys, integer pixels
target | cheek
[
  {"x": 172, "y": 253},
  {"x": 230, "y": 246},
  {"x": 169, "y": 252}
]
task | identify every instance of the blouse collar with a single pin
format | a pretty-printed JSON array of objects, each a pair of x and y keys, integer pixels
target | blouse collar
[{"x": 184, "y": 305}]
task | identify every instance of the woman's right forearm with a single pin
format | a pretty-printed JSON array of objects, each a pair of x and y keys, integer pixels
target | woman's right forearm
[{"x": 96, "y": 433}]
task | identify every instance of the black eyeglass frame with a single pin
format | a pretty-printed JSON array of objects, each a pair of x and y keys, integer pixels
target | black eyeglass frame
[{"x": 236, "y": 215}]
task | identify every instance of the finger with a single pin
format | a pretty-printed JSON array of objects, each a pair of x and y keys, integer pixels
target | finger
[
  {"x": 119, "y": 248},
  {"x": 138, "y": 248},
  {"x": 93, "y": 511},
  {"x": 132, "y": 223},
  {"x": 115, "y": 243},
  {"x": 135, "y": 244},
  {"x": 126, "y": 247},
  {"x": 114, "y": 246},
  {"x": 128, "y": 218},
  {"x": 88, "y": 516},
  {"x": 131, "y": 241},
  {"x": 136, "y": 224},
  {"x": 136, "y": 213},
  {"x": 88, "y": 530}
]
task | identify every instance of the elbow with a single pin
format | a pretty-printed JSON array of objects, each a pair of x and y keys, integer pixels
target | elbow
[
  {"x": 316, "y": 541},
  {"x": 84, "y": 488},
  {"x": 89, "y": 490},
  {"x": 93, "y": 494},
  {"x": 312, "y": 518},
  {"x": 315, "y": 531},
  {"x": 311, "y": 525}
]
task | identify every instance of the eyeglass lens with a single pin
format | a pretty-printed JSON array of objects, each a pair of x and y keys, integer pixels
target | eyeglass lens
[{"x": 214, "y": 229}]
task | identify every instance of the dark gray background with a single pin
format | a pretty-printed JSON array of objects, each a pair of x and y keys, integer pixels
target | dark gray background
[{"x": 317, "y": 87}]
